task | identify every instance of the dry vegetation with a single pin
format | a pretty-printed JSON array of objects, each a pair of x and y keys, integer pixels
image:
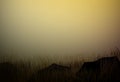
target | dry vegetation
[{"x": 22, "y": 72}]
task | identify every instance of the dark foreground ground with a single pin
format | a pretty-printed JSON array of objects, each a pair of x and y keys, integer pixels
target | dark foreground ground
[{"x": 105, "y": 69}]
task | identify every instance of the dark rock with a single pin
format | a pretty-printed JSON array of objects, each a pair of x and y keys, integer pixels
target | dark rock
[
  {"x": 55, "y": 67},
  {"x": 53, "y": 73},
  {"x": 106, "y": 69}
]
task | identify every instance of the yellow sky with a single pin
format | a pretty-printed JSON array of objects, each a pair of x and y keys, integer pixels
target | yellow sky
[{"x": 59, "y": 27}]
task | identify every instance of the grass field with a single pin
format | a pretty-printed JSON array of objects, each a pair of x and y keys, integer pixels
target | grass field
[{"x": 104, "y": 69}]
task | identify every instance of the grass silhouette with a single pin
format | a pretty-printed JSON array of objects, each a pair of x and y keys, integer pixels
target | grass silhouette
[{"x": 73, "y": 72}]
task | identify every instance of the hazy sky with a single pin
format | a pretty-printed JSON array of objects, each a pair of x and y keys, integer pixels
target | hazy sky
[{"x": 58, "y": 27}]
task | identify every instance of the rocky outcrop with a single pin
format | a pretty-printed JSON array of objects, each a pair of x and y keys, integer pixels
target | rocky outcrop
[
  {"x": 106, "y": 69},
  {"x": 53, "y": 73}
]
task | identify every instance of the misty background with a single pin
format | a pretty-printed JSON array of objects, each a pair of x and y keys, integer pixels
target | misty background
[{"x": 60, "y": 30}]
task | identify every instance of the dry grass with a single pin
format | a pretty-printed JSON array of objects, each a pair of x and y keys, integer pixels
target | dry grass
[{"x": 27, "y": 72}]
